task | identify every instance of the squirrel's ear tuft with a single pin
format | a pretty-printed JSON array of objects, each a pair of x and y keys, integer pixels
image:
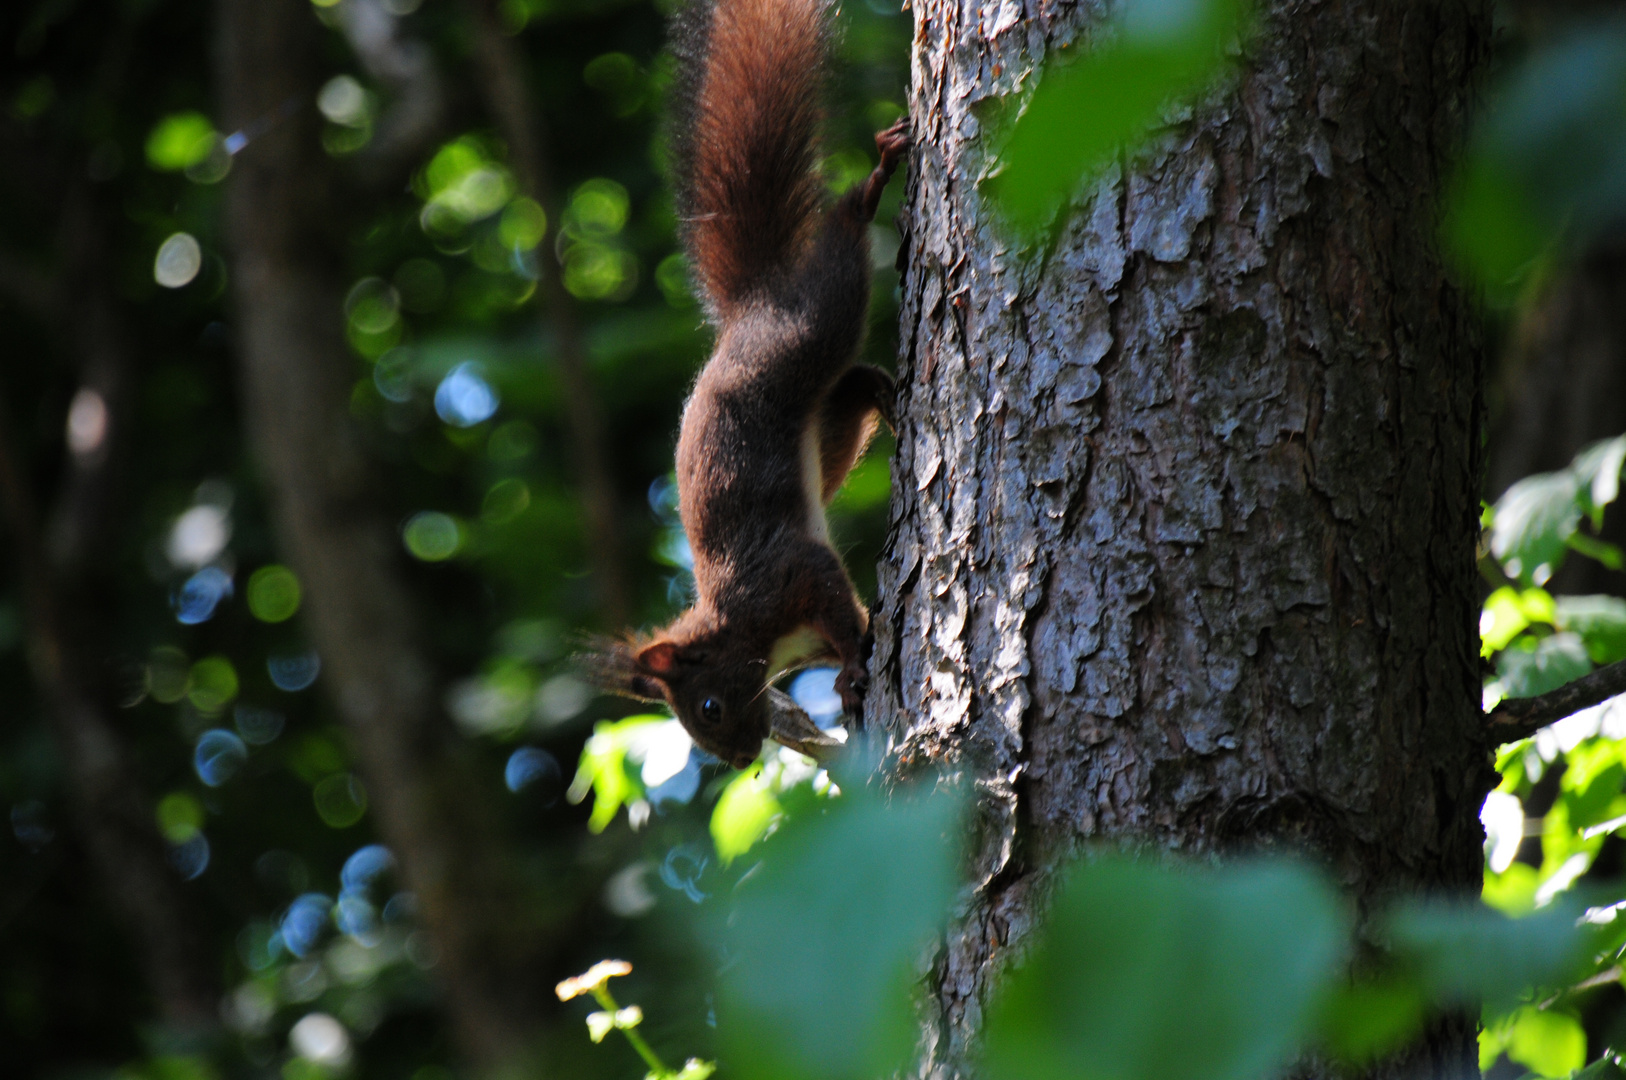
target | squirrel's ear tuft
[
  {"x": 660, "y": 658},
  {"x": 612, "y": 665}
]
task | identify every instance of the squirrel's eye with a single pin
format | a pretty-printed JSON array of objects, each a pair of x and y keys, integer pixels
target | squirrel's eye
[{"x": 711, "y": 711}]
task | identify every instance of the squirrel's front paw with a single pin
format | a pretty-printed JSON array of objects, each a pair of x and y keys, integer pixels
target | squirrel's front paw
[{"x": 893, "y": 142}]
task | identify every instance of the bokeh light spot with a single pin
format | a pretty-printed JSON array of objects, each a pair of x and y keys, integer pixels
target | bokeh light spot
[
  {"x": 169, "y": 674},
  {"x": 302, "y": 926},
  {"x": 320, "y": 1038},
  {"x": 218, "y": 756},
  {"x": 340, "y": 800},
  {"x": 293, "y": 673},
  {"x": 87, "y": 422},
  {"x": 343, "y": 100},
  {"x": 178, "y": 261},
  {"x": 195, "y": 601},
  {"x": 258, "y": 726},
  {"x": 214, "y": 685},
  {"x": 273, "y": 593},
  {"x": 191, "y": 857},
  {"x": 532, "y": 766},
  {"x": 364, "y": 866},
  {"x": 180, "y": 140},
  {"x": 198, "y": 535},
  {"x": 432, "y": 536},
  {"x": 523, "y": 224},
  {"x": 180, "y": 816},
  {"x": 505, "y": 500},
  {"x": 464, "y": 398},
  {"x": 373, "y": 306}
]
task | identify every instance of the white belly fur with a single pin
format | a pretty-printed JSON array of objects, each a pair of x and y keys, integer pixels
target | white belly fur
[
  {"x": 813, "y": 484},
  {"x": 794, "y": 649}
]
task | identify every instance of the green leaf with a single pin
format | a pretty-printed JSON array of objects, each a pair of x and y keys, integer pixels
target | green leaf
[
  {"x": 1534, "y": 520},
  {"x": 1508, "y": 612},
  {"x": 604, "y": 768},
  {"x": 1549, "y": 1043},
  {"x": 1535, "y": 666},
  {"x": 744, "y": 811},
  {"x": 179, "y": 141},
  {"x": 1085, "y": 112},
  {"x": 825, "y": 938},
  {"x": 1363, "y": 1021},
  {"x": 1467, "y": 952},
  {"x": 1598, "y": 469},
  {"x": 1490, "y": 224},
  {"x": 1151, "y": 971}
]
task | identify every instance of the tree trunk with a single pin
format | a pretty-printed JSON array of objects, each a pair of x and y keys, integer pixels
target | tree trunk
[
  {"x": 282, "y": 219},
  {"x": 1185, "y": 503}
]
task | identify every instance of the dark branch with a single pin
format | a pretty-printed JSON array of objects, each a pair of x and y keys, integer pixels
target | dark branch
[{"x": 1523, "y": 717}]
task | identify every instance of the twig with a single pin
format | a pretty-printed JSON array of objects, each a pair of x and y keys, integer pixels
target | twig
[{"x": 1520, "y": 718}]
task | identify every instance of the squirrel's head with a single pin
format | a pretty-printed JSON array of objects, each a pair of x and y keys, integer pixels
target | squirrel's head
[{"x": 724, "y": 703}]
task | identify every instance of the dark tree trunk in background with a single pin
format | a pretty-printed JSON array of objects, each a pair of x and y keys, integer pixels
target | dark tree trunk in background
[
  {"x": 1185, "y": 505},
  {"x": 1562, "y": 385},
  {"x": 62, "y": 564},
  {"x": 286, "y": 231}
]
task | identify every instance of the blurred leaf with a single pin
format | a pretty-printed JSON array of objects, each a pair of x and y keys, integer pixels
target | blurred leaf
[
  {"x": 1170, "y": 972},
  {"x": 1546, "y": 664},
  {"x": 1546, "y": 166},
  {"x": 1489, "y": 224},
  {"x": 1534, "y": 521},
  {"x": 1085, "y": 112},
  {"x": 1598, "y": 469},
  {"x": 825, "y": 938},
  {"x": 1362, "y": 1021},
  {"x": 1468, "y": 952},
  {"x": 1548, "y": 1042},
  {"x": 180, "y": 141}
]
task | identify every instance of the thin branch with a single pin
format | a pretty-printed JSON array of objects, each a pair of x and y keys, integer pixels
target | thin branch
[
  {"x": 1520, "y": 718},
  {"x": 501, "y": 71}
]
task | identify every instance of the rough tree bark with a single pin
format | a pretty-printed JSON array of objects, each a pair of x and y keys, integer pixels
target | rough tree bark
[
  {"x": 282, "y": 217},
  {"x": 1185, "y": 502}
]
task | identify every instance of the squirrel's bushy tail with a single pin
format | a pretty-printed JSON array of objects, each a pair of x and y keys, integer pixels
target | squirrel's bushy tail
[{"x": 747, "y": 114}]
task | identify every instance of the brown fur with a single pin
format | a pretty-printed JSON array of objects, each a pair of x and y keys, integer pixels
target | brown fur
[{"x": 786, "y": 280}]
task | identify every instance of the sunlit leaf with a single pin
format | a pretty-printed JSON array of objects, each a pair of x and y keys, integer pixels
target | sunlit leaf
[
  {"x": 743, "y": 814},
  {"x": 1152, "y": 971},
  {"x": 825, "y": 938},
  {"x": 1507, "y": 612},
  {"x": 1534, "y": 520},
  {"x": 1086, "y": 112},
  {"x": 1601, "y": 623},
  {"x": 1548, "y": 1042},
  {"x": 605, "y": 770}
]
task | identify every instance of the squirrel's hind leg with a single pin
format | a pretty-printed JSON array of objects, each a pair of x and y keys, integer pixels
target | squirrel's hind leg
[{"x": 847, "y": 422}]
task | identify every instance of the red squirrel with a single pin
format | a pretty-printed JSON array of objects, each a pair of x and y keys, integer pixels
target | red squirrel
[{"x": 780, "y": 413}]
